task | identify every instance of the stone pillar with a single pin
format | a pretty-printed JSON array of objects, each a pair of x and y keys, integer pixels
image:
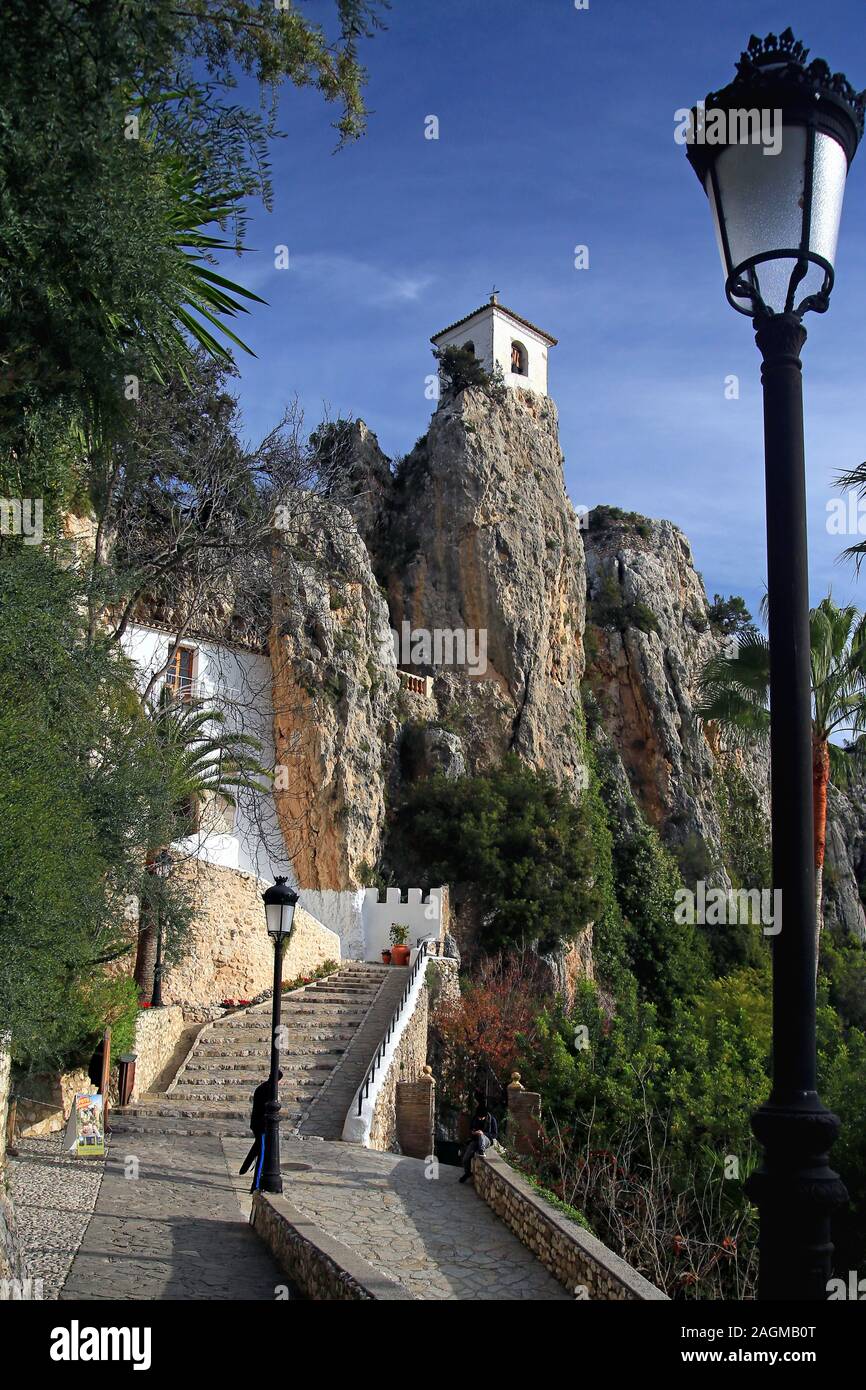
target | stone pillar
[
  {"x": 415, "y": 1101},
  {"x": 524, "y": 1116}
]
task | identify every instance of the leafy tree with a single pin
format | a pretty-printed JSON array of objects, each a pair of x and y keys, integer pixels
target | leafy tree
[
  {"x": 669, "y": 960},
  {"x": 198, "y": 761},
  {"x": 637, "y": 1123},
  {"x": 730, "y": 615},
  {"x": 123, "y": 159},
  {"x": 481, "y": 1034},
  {"x": 514, "y": 839},
  {"x": 735, "y": 694},
  {"x": 77, "y": 789},
  {"x": 460, "y": 370}
]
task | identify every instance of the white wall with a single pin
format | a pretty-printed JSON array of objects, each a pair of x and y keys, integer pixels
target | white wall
[
  {"x": 423, "y": 917},
  {"x": 506, "y": 331},
  {"x": 491, "y": 333},
  {"x": 341, "y": 911},
  {"x": 238, "y": 682}
]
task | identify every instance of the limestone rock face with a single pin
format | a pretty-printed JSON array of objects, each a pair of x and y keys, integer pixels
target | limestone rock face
[
  {"x": 648, "y": 637},
  {"x": 845, "y": 860},
  {"x": 483, "y": 539},
  {"x": 335, "y": 689}
]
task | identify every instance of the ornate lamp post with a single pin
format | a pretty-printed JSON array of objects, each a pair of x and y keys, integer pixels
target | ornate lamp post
[
  {"x": 280, "y": 902},
  {"x": 162, "y": 869},
  {"x": 777, "y": 217}
]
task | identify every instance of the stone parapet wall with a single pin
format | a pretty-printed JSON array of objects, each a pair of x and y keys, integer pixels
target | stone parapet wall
[
  {"x": 580, "y": 1261},
  {"x": 319, "y": 1266},
  {"x": 406, "y": 1064},
  {"x": 415, "y": 1111},
  {"x": 157, "y": 1033}
]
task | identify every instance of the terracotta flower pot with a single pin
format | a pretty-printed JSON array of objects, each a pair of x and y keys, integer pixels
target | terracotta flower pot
[
  {"x": 386, "y": 957},
  {"x": 400, "y": 955}
]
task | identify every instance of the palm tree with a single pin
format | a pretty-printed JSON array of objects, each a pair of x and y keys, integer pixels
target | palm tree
[
  {"x": 735, "y": 694},
  {"x": 196, "y": 758}
]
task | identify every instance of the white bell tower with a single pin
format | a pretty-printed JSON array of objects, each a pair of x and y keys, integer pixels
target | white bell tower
[{"x": 498, "y": 335}]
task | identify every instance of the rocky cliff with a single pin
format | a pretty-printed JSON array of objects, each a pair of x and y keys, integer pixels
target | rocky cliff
[
  {"x": 470, "y": 546},
  {"x": 473, "y": 534}
]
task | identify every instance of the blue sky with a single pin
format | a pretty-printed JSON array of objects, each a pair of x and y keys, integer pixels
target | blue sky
[{"x": 556, "y": 129}]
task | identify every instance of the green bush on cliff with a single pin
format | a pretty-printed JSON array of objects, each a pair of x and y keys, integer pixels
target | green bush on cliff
[
  {"x": 513, "y": 838},
  {"x": 669, "y": 959}
]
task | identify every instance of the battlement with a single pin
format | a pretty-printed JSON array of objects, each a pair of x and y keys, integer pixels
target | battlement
[{"x": 405, "y": 907}]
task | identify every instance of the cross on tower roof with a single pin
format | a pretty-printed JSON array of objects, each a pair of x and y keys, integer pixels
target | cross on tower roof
[{"x": 494, "y": 295}]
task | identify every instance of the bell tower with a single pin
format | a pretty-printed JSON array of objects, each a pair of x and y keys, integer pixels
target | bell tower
[{"x": 498, "y": 335}]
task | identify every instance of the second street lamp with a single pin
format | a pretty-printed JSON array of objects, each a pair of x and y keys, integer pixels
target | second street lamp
[
  {"x": 280, "y": 902},
  {"x": 776, "y": 209}
]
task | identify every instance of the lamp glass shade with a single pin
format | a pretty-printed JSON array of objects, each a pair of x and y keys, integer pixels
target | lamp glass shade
[
  {"x": 778, "y": 207},
  {"x": 280, "y": 902}
]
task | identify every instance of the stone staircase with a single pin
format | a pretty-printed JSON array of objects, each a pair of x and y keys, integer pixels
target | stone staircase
[{"x": 212, "y": 1091}]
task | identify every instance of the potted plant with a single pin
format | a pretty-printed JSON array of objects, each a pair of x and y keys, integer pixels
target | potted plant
[
  {"x": 386, "y": 956},
  {"x": 399, "y": 948}
]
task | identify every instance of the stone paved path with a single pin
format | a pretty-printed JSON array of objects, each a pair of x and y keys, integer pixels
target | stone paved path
[
  {"x": 435, "y": 1237},
  {"x": 174, "y": 1232},
  {"x": 54, "y": 1194}
]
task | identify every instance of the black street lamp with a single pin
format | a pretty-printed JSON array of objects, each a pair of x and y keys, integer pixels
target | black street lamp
[
  {"x": 280, "y": 902},
  {"x": 162, "y": 869},
  {"x": 777, "y": 220}
]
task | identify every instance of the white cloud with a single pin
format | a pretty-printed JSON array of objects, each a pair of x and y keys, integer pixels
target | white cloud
[{"x": 360, "y": 281}]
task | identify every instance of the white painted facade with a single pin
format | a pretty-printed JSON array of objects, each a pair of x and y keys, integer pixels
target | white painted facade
[
  {"x": 248, "y": 837},
  {"x": 237, "y": 682},
  {"x": 492, "y": 332}
]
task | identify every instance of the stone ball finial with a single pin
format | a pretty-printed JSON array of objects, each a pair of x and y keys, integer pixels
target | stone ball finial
[
  {"x": 514, "y": 1083},
  {"x": 426, "y": 1074}
]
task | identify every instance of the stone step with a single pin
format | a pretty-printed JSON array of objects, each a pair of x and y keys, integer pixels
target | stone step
[
  {"x": 126, "y": 1127},
  {"x": 324, "y": 1011},
  {"x": 342, "y": 996},
  {"x": 252, "y": 1076},
  {"x": 317, "y": 1064},
  {"x": 229, "y": 1055},
  {"x": 199, "y": 1110},
  {"x": 312, "y": 1039},
  {"x": 239, "y": 1097}
]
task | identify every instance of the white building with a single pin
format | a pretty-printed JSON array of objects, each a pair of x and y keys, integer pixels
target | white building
[
  {"x": 247, "y": 836},
  {"x": 498, "y": 336},
  {"x": 237, "y": 682}
]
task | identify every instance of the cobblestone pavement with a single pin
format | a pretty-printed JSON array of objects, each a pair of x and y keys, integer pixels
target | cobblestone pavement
[
  {"x": 54, "y": 1194},
  {"x": 175, "y": 1231},
  {"x": 433, "y": 1236}
]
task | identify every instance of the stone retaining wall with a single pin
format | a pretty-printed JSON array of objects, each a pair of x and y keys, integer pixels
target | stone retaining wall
[
  {"x": 406, "y": 1064},
  {"x": 45, "y": 1101},
  {"x": 157, "y": 1033},
  {"x": 227, "y": 953},
  {"x": 580, "y": 1261},
  {"x": 315, "y": 1263}
]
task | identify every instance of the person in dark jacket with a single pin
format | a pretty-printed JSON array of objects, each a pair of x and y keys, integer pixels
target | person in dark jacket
[
  {"x": 261, "y": 1096},
  {"x": 479, "y": 1140},
  {"x": 484, "y": 1118}
]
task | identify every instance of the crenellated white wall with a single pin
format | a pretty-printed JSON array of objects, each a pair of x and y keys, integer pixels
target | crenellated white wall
[
  {"x": 362, "y": 918},
  {"x": 422, "y": 915}
]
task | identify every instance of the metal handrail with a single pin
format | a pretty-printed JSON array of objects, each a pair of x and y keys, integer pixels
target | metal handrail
[{"x": 364, "y": 1088}]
